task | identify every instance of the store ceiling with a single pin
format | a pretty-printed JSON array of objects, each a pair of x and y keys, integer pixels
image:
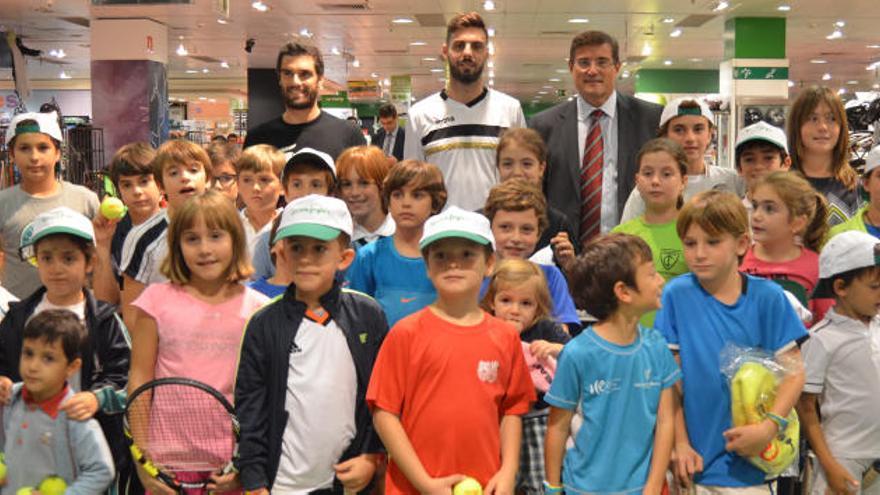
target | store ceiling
[{"x": 531, "y": 39}]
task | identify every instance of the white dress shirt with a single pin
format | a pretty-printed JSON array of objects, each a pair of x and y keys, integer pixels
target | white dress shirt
[{"x": 608, "y": 124}]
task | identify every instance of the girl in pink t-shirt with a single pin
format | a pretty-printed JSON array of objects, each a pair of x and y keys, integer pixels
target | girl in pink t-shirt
[
  {"x": 788, "y": 229},
  {"x": 192, "y": 325}
]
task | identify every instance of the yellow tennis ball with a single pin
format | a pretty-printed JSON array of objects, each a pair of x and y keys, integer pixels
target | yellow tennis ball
[
  {"x": 467, "y": 486},
  {"x": 52, "y": 485},
  {"x": 25, "y": 490},
  {"x": 2, "y": 470},
  {"x": 112, "y": 208}
]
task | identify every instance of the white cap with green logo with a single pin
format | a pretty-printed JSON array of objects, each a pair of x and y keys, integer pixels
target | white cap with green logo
[
  {"x": 61, "y": 220},
  {"x": 315, "y": 216},
  {"x": 455, "y": 222},
  {"x": 45, "y": 123}
]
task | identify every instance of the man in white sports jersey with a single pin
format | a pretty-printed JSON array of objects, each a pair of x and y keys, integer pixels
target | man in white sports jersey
[{"x": 457, "y": 129}]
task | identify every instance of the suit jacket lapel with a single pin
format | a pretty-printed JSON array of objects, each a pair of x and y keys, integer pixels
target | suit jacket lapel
[
  {"x": 570, "y": 141},
  {"x": 625, "y": 125}
]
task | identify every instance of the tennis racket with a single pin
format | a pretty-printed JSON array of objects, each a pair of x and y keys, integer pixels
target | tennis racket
[{"x": 182, "y": 431}]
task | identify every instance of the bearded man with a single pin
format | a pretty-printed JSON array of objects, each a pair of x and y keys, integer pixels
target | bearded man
[
  {"x": 457, "y": 129},
  {"x": 300, "y": 71}
]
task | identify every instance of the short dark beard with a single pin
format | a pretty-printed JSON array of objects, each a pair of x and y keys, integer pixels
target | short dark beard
[
  {"x": 466, "y": 78},
  {"x": 293, "y": 105}
]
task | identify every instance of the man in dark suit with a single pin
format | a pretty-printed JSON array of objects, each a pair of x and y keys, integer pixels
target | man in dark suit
[
  {"x": 391, "y": 136},
  {"x": 593, "y": 138}
]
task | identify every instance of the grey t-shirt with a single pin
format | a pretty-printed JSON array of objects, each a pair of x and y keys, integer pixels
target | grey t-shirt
[{"x": 17, "y": 210}]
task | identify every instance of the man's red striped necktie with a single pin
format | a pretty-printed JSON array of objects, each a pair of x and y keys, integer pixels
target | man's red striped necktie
[{"x": 591, "y": 179}]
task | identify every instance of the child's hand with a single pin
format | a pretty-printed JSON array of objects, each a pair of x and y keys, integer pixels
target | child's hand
[
  {"x": 840, "y": 481},
  {"x": 5, "y": 389},
  {"x": 686, "y": 463},
  {"x": 564, "y": 249},
  {"x": 104, "y": 230},
  {"x": 542, "y": 349},
  {"x": 80, "y": 407},
  {"x": 152, "y": 485},
  {"x": 500, "y": 484},
  {"x": 357, "y": 472},
  {"x": 223, "y": 482},
  {"x": 750, "y": 440},
  {"x": 442, "y": 486}
]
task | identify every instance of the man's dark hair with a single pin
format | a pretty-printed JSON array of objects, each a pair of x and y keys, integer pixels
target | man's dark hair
[
  {"x": 55, "y": 324},
  {"x": 387, "y": 110},
  {"x": 594, "y": 38},
  {"x": 298, "y": 50}
]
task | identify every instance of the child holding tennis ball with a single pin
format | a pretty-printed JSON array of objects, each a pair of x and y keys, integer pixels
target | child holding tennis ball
[
  {"x": 450, "y": 383},
  {"x": 44, "y": 448},
  {"x": 617, "y": 376}
]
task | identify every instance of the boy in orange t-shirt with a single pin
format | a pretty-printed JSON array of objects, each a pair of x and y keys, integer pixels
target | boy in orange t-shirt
[{"x": 447, "y": 374}]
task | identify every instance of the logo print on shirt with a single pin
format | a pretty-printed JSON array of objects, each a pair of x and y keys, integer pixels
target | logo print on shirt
[
  {"x": 669, "y": 257},
  {"x": 294, "y": 349},
  {"x": 487, "y": 371},
  {"x": 600, "y": 387},
  {"x": 405, "y": 300}
]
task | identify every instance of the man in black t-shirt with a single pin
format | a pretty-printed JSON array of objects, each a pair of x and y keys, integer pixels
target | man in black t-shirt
[{"x": 300, "y": 71}]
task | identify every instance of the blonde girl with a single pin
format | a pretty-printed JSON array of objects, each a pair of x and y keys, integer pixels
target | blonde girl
[
  {"x": 191, "y": 326},
  {"x": 818, "y": 140},
  {"x": 518, "y": 294},
  {"x": 788, "y": 229}
]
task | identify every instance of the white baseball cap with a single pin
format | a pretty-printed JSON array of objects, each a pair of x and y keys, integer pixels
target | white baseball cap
[
  {"x": 315, "y": 216},
  {"x": 61, "y": 220},
  {"x": 674, "y": 109},
  {"x": 872, "y": 160},
  {"x": 455, "y": 222},
  {"x": 762, "y": 131},
  {"x": 46, "y": 123},
  {"x": 845, "y": 252},
  {"x": 310, "y": 155}
]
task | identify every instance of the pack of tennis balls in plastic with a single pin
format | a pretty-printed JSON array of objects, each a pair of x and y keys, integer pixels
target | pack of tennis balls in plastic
[{"x": 754, "y": 377}]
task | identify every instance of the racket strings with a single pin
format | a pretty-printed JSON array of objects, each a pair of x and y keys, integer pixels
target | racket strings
[{"x": 182, "y": 428}]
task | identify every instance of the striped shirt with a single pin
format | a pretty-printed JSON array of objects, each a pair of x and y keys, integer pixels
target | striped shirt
[
  {"x": 461, "y": 139},
  {"x": 144, "y": 249}
]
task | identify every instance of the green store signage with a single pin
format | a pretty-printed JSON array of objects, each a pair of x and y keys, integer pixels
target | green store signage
[{"x": 765, "y": 73}]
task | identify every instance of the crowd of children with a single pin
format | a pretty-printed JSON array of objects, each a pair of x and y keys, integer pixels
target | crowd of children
[{"x": 375, "y": 339}]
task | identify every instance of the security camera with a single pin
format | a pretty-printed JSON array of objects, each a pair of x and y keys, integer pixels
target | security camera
[{"x": 249, "y": 45}]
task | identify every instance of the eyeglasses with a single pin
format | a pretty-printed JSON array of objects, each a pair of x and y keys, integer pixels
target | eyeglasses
[
  {"x": 600, "y": 63},
  {"x": 347, "y": 185},
  {"x": 224, "y": 179}
]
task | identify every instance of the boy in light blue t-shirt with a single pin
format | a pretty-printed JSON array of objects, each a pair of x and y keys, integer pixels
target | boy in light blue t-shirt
[
  {"x": 391, "y": 269},
  {"x": 616, "y": 376},
  {"x": 704, "y": 310}
]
